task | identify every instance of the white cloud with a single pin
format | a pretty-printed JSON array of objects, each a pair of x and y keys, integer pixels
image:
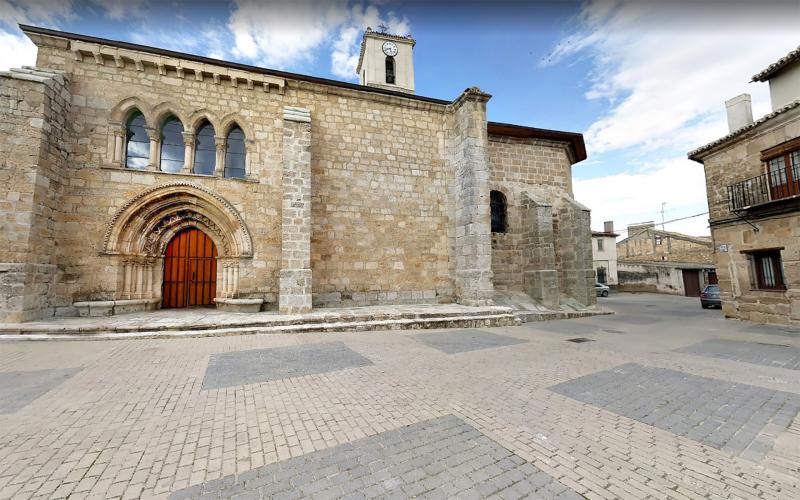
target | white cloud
[
  {"x": 666, "y": 67},
  {"x": 280, "y": 34},
  {"x": 17, "y": 51},
  {"x": 122, "y": 9},
  {"x": 347, "y": 47},
  {"x": 631, "y": 197},
  {"x": 35, "y": 11},
  {"x": 285, "y": 34}
]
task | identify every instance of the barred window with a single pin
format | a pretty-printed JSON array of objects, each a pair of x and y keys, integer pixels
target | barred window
[
  {"x": 137, "y": 144},
  {"x": 172, "y": 149},
  {"x": 766, "y": 270},
  {"x": 235, "y": 153},
  {"x": 498, "y": 206},
  {"x": 205, "y": 150}
]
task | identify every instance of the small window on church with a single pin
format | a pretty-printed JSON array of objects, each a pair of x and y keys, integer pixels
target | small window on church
[
  {"x": 172, "y": 150},
  {"x": 205, "y": 151},
  {"x": 137, "y": 149},
  {"x": 235, "y": 154},
  {"x": 498, "y": 205},
  {"x": 390, "y": 69}
]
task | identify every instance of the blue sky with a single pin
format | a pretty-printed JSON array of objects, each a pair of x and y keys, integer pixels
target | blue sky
[{"x": 644, "y": 80}]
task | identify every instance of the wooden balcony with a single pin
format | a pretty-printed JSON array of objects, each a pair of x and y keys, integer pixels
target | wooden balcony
[{"x": 773, "y": 186}]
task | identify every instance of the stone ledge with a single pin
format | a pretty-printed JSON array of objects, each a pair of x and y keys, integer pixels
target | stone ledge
[
  {"x": 97, "y": 308},
  {"x": 239, "y": 305}
]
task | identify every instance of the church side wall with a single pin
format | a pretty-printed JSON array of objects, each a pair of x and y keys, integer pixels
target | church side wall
[
  {"x": 33, "y": 145},
  {"x": 379, "y": 184},
  {"x": 539, "y": 169}
]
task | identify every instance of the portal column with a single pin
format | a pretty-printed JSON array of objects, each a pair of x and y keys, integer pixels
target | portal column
[{"x": 295, "y": 275}]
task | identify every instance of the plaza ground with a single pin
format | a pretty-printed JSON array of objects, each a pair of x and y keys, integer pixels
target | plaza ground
[{"x": 662, "y": 400}]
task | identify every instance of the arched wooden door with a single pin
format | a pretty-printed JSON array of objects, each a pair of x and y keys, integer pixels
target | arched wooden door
[{"x": 190, "y": 270}]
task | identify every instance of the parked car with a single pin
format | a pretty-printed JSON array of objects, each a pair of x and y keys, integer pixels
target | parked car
[
  {"x": 709, "y": 297},
  {"x": 601, "y": 289}
]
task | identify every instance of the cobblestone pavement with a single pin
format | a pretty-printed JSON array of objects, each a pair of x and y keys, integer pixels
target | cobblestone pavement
[
  {"x": 132, "y": 417},
  {"x": 465, "y": 340},
  {"x": 760, "y": 353},
  {"x": 437, "y": 458}
]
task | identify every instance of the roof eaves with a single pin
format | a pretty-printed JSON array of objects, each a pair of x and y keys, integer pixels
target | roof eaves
[
  {"x": 777, "y": 66},
  {"x": 575, "y": 139},
  {"x": 695, "y": 154}
]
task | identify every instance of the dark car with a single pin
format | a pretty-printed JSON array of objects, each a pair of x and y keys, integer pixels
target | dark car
[{"x": 710, "y": 297}]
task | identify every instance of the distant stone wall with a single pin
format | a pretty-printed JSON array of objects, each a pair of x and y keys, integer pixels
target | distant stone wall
[
  {"x": 645, "y": 243},
  {"x": 643, "y": 277}
]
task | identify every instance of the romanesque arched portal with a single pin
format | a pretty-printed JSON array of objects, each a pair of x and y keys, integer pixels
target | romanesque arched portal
[{"x": 140, "y": 231}]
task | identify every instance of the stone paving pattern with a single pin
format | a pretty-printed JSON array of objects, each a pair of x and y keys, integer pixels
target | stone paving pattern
[
  {"x": 262, "y": 365},
  {"x": 438, "y": 458},
  {"x": 717, "y": 413},
  {"x": 760, "y": 353},
  {"x": 458, "y": 341},
  {"x": 135, "y": 422},
  {"x": 18, "y": 389}
]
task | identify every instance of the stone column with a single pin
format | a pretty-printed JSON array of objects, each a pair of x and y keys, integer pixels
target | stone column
[
  {"x": 119, "y": 147},
  {"x": 155, "y": 139},
  {"x": 188, "y": 156},
  {"x": 295, "y": 275},
  {"x": 467, "y": 153},
  {"x": 219, "y": 166}
]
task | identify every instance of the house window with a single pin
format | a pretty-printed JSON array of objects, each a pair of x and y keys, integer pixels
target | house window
[
  {"x": 600, "y": 245},
  {"x": 766, "y": 270},
  {"x": 235, "y": 154},
  {"x": 137, "y": 144},
  {"x": 172, "y": 150},
  {"x": 783, "y": 169},
  {"x": 205, "y": 150},
  {"x": 658, "y": 239},
  {"x": 498, "y": 206},
  {"x": 390, "y": 69}
]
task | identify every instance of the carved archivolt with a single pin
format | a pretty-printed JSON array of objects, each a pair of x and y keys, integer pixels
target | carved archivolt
[{"x": 147, "y": 222}]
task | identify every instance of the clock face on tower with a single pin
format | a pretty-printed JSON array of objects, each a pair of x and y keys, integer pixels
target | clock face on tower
[{"x": 389, "y": 48}]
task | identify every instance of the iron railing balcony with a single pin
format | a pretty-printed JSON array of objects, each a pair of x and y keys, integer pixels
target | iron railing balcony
[{"x": 774, "y": 185}]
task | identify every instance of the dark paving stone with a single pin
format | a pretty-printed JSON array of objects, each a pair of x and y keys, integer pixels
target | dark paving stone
[
  {"x": 759, "y": 353},
  {"x": 19, "y": 389},
  {"x": 438, "y": 458},
  {"x": 262, "y": 365},
  {"x": 717, "y": 413},
  {"x": 569, "y": 327},
  {"x": 465, "y": 340}
]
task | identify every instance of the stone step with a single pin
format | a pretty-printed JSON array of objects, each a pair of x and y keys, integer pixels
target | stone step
[
  {"x": 266, "y": 321},
  {"x": 448, "y": 321}
]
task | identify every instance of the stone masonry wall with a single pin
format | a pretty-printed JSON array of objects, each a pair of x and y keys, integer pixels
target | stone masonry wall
[
  {"x": 642, "y": 245},
  {"x": 380, "y": 182},
  {"x": 523, "y": 169},
  {"x": 34, "y": 141}
]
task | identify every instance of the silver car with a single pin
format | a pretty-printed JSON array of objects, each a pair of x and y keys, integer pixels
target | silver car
[{"x": 601, "y": 289}]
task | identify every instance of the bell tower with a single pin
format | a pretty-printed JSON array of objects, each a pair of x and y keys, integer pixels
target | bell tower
[{"x": 387, "y": 61}]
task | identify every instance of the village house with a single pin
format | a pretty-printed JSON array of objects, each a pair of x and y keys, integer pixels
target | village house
[
  {"x": 753, "y": 188},
  {"x": 136, "y": 178},
  {"x": 654, "y": 260},
  {"x": 604, "y": 254}
]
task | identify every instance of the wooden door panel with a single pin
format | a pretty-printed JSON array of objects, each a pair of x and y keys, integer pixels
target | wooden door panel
[{"x": 190, "y": 270}]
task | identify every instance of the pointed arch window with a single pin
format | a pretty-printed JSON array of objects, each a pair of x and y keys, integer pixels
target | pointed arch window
[
  {"x": 172, "y": 149},
  {"x": 499, "y": 209},
  {"x": 137, "y": 143},
  {"x": 205, "y": 151},
  {"x": 235, "y": 153},
  {"x": 390, "y": 69}
]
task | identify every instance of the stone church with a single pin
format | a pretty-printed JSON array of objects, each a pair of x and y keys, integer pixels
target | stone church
[{"x": 135, "y": 178}]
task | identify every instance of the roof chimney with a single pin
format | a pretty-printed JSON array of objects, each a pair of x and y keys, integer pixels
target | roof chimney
[
  {"x": 740, "y": 112},
  {"x": 608, "y": 226}
]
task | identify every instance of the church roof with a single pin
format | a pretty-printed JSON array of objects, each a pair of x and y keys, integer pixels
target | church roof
[{"x": 574, "y": 139}]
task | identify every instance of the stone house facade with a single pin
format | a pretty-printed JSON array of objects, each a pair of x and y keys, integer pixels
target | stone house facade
[
  {"x": 654, "y": 260},
  {"x": 604, "y": 254},
  {"x": 753, "y": 189},
  {"x": 135, "y": 178}
]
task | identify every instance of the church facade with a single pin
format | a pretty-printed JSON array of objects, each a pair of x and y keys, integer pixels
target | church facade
[{"x": 135, "y": 178}]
